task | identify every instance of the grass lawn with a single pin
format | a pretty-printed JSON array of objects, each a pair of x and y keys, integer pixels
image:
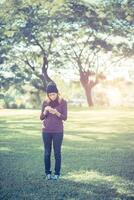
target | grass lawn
[{"x": 97, "y": 156}]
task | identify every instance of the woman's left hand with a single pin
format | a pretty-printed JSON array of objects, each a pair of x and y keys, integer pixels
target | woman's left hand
[{"x": 55, "y": 112}]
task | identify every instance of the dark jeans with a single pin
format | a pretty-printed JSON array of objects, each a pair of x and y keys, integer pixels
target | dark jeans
[{"x": 56, "y": 138}]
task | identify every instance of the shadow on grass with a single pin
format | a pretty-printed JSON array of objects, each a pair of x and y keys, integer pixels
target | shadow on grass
[
  {"x": 108, "y": 154},
  {"x": 95, "y": 186},
  {"x": 96, "y": 165}
]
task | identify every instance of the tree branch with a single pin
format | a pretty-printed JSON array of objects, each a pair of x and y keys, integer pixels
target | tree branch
[
  {"x": 71, "y": 58},
  {"x": 50, "y": 44},
  {"x": 85, "y": 44},
  {"x": 38, "y": 44}
]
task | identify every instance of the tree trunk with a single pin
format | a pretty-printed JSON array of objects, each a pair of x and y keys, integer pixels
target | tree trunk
[
  {"x": 88, "y": 92},
  {"x": 44, "y": 77},
  {"x": 87, "y": 85}
]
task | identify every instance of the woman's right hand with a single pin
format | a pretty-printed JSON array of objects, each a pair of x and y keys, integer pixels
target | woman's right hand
[{"x": 47, "y": 108}]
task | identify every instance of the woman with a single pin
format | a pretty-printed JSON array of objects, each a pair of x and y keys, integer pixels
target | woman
[{"x": 54, "y": 111}]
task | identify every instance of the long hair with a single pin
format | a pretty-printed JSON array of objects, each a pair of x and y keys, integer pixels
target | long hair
[{"x": 48, "y": 100}]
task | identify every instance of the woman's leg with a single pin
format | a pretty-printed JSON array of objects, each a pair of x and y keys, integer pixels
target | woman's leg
[
  {"x": 57, "y": 142},
  {"x": 47, "y": 139}
]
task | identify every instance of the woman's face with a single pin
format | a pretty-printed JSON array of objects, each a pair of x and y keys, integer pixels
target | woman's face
[{"x": 52, "y": 96}]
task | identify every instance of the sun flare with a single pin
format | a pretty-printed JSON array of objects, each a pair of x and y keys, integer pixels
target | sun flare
[{"x": 114, "y": 96}]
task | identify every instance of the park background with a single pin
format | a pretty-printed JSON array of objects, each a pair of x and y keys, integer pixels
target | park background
[{"x": 87, "y": 48}]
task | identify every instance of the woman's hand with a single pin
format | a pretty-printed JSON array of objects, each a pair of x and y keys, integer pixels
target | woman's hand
[
  {"x": 52, "y": 111},
  {"x": 57, "y": 113},
  {"x": 47, "y": 108}
]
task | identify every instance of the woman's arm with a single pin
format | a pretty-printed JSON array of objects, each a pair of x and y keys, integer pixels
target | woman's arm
[
  {"x": 62, "y": 115},
  {"x": 44, "y": 112}
]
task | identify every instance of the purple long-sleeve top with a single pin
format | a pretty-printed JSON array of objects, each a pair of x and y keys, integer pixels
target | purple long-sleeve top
[{"x": 51, "y": 123}]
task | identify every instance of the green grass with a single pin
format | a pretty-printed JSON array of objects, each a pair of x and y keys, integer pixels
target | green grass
[{"x": 97, "y": 156}]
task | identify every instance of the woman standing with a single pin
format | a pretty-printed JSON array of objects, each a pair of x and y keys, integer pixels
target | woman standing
[{"x": 54, "y": 111}]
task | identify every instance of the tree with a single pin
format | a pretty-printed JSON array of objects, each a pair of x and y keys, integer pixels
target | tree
[
  {"x": 53, "y": 34},
  {"x": 84, "y": 41},
  {"x": 33, "y": 29},
  {"x": 89, "y": 37}
]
